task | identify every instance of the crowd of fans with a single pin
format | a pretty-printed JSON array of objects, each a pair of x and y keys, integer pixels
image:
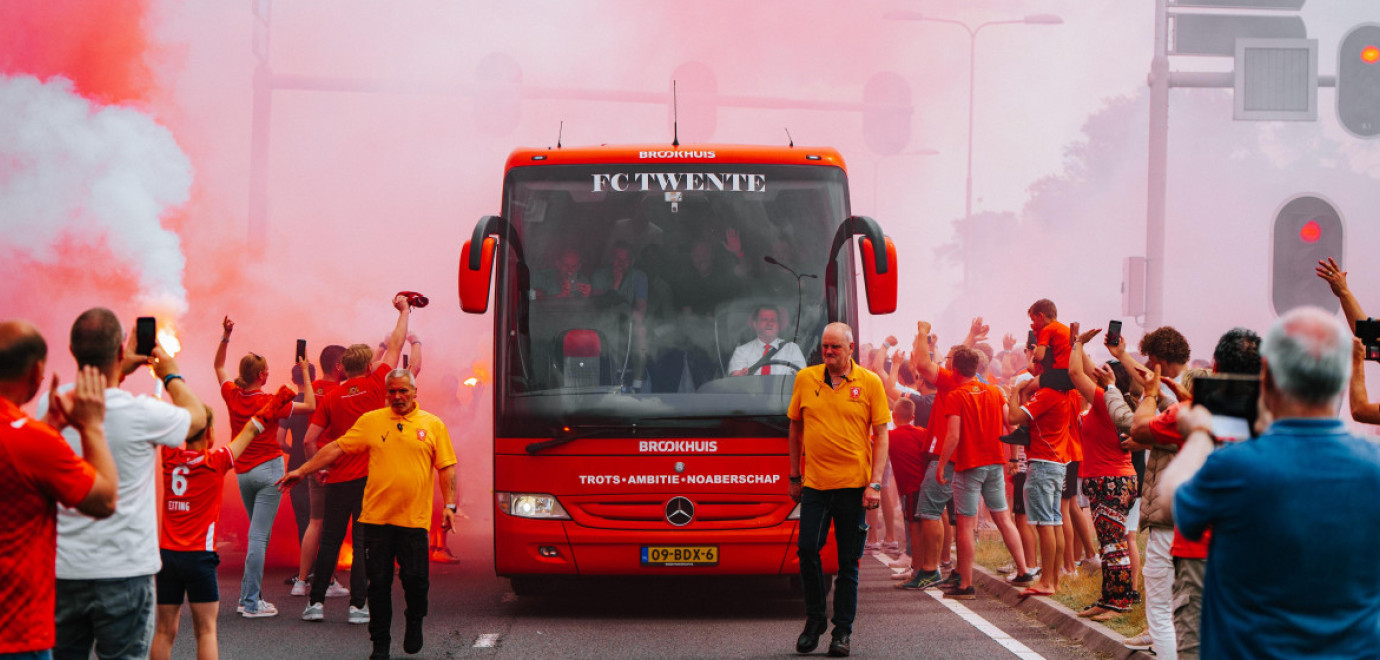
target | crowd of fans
[
  {"x": 1089, "y": 455},
  {"x": 109, "y": 570}
]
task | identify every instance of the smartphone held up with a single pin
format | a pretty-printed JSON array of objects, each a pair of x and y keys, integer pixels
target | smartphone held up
[
  {"x": 1234, "y": 402},
  {"x": 145, "y": 335}
]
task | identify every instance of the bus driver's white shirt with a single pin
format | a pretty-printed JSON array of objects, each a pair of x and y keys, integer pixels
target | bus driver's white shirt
[{"x": 748, "y": 354}]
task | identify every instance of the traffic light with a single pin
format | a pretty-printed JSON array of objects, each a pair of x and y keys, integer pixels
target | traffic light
[
  {"x": 1307, "y": 230},
  {"x": 1358, "y": 81}
]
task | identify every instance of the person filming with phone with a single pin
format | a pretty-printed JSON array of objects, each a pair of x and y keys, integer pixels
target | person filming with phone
[
  {"x": 1367, "y": 331},
  {"x": 1303, "y": 490}
]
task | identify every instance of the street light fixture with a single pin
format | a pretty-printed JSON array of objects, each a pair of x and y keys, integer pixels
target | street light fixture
[{"x": 1031, "y": 19}]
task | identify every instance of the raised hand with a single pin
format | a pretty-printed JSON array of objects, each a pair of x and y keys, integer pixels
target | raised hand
[
  {"x": 227, "y": 326},
  {"x": 1334, "y": 275},
  {"x": 732, "y": 243},
  {"x": 1008, "y": 342}
]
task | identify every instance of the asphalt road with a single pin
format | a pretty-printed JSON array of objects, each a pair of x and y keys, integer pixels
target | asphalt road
[{"x": 720, "y": 618}]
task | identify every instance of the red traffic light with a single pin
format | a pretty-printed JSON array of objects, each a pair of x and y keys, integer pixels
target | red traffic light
[
  {"x": 1310, "y": 232},
  {"x": 1370, "y": 54}
]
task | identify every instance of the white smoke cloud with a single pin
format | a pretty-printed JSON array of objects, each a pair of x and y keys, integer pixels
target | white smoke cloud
[{"x": 73, "y": 169}]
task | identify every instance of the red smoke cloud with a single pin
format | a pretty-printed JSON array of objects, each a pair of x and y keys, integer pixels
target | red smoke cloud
[{"x": 100, "y": 46}]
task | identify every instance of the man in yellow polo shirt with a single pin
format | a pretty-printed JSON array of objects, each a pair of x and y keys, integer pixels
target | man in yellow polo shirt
[
  {"x": 404, "y": 444},
  {"x": 839, "y": 414}
]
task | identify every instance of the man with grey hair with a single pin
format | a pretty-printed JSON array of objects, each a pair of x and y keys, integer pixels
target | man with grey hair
[
  {"x": 404, "y": 445},
  {"x": 1305, "y": 480}
]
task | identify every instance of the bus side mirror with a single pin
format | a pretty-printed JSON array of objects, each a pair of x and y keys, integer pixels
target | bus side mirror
[
  {"x": 879, "y": 276},
  {"x": 474, "y": 282}
]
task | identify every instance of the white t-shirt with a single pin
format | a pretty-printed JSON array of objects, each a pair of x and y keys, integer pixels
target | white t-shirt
[
  {"x": 125, "y": 544},
  {"x": 748, "y": 354}
]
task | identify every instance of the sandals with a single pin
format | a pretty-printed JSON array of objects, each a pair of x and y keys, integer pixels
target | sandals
[{"x": 1032, "y": 591}]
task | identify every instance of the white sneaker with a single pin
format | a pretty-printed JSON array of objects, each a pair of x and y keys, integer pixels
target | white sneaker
[
  {"x": 266, "y": 609},
  {"x": 358, "y": 614},
  {"x": 900, "y": 562},
  {"x": 314, "y": 612},
  {"x": 336, "y": 590},
  {"x": 299, "y": 587}
]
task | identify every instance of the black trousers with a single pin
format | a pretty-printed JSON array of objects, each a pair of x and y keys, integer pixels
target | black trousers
[
  {"x": 385, "y": 545},
  {"x": 343, "y": 501}
]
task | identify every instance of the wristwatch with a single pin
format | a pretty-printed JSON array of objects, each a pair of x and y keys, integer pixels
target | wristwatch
[
  {"x": 875, "y": 486},
  {"x": 452, "y": 507}
]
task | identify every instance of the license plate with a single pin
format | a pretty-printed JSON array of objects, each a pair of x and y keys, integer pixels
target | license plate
[{"x": 680, "y": 555}]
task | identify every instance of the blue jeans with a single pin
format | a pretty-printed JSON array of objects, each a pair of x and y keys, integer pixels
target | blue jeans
[
  {"x": 1044, "y": 483},
  {"x": 115, "y": 616},
  {"x": 988, "y": 481},
  {"x": 842, "y": 506},
  {"x": 261, "y": 498}
]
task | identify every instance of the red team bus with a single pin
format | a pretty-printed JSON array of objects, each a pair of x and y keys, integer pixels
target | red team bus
[{"x": 626, "y": 278}]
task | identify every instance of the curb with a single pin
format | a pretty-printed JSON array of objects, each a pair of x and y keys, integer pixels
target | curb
[{"x": 1090, "y": 634}]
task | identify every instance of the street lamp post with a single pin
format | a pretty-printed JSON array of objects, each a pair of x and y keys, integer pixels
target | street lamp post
[{"x": 1033, "y": 19}]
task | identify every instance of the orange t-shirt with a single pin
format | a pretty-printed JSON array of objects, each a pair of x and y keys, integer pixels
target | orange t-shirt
[
  {"x": 340, "y": 409},
  {"x": 37, "y": 469},
  {"x": 978, "y": 407},
  {"x": 1075, "y": 426},
  {"x": 191, "y": 497},
  {"x": 242, "y": 405},
  {"x": 1050, "y": 417},
  {"x": 1055, "y": 337}
]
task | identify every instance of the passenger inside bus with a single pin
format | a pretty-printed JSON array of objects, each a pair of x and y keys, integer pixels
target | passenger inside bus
[
  {"x": 563, "y": 281},
  {"x": 621, "y": 283}
]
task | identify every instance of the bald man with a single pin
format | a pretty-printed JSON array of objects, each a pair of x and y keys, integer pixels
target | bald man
[
  {"x": 38, "y": 470},
  {"x": 839, "y": 413}
]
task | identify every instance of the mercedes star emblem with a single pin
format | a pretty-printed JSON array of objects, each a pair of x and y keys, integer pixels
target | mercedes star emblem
[{"x": 680, "y": 511}]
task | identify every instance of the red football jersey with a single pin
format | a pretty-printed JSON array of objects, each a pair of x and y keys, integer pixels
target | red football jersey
[
  {"x": 242, "y": 405},
  {"x": 37, "y": 469},
  {"x": 192, "y": 483},
  {"x": 339, "y": 410}
]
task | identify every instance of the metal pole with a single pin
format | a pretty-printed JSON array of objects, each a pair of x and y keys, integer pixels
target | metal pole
[
  {"x": 968, "y": 195},
  {"x": 1158, "y": 171}
]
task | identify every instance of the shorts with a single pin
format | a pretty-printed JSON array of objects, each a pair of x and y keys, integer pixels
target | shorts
[
  {"x": 1018, "y": 493},
  {"x": 989, "y": 481},
  {"x": 933, "y": 495},
  {"x": 1070, "y": 481},
  {"x": 318, "y": 498},
  {"x": 1043, "y": 484},
  {"x": 910, "y": 503},
  {"x": 190, "y": 573}
]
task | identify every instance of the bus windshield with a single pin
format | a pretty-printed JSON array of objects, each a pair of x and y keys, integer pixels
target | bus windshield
[{"x": 659, "y": 299}]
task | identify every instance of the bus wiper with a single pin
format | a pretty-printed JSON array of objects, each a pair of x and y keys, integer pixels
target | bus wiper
[{"x": 570, "y": 434}]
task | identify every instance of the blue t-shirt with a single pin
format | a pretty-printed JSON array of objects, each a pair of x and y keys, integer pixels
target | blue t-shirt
[{"x": 1293, "y": 569}]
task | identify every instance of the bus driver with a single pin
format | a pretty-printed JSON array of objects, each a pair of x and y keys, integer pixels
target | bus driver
[{"x": 767, "y": 348}]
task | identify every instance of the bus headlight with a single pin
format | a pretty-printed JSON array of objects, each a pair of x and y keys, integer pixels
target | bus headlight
[
  {"x": 795, "y": 513},
  {"x": 532, "y": 505}
]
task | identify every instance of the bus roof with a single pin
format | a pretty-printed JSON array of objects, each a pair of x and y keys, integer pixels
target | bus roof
[{"x": 663, "y": 153}]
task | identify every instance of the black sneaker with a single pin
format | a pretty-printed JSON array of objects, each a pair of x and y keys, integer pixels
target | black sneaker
[
  {"x": 381, "y": 652},
  {"x": 838, "y": 647},
  {"x": 1023, "y": 580},
  {"x": 960, "y": 593},
  {"x": 953, "y": 579},
  {"x": 412, "y": 636}
]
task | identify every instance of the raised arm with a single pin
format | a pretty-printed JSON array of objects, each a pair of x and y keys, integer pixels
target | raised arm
[
  {"x": 1078, "y": 361},
  {"x": 920, "y": 360},
  {"x": 308, "y": 402},
  {"x": 393, "y": 351},
  {"x": 1147, "y": 410},
  {"x": 1362, "y": 410},
  {"x": 1195, "y": 423},
  {"x": 976, "y": 332},
  {"x": 181, "y": 395},
  {"x": 1336, "y": 278},
  {"x": 415, "y": 362},
  {"x": 85, "y": 411},
  {"x": 227, "y": 327}
]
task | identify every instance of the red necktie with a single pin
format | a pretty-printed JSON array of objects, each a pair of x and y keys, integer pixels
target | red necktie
[{"x": 766, "y": 371}]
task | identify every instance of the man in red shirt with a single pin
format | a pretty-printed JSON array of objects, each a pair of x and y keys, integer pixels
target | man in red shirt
[
  {"x": 37, "y": 470},
  {"x": 192, "y": 485},
  {"x": 974, "y": 424},
  {"x": 362, "y": 391}
]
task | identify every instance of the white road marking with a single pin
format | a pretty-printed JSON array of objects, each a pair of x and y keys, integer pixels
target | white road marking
[
  {"x": 996, "y": 634},
  {"x": 488, "y": 640}
]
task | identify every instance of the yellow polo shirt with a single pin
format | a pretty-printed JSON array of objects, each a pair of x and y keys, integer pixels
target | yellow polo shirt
[
  {"x": 403, "y": 452},
  {"x": 837, "y": 438}
]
